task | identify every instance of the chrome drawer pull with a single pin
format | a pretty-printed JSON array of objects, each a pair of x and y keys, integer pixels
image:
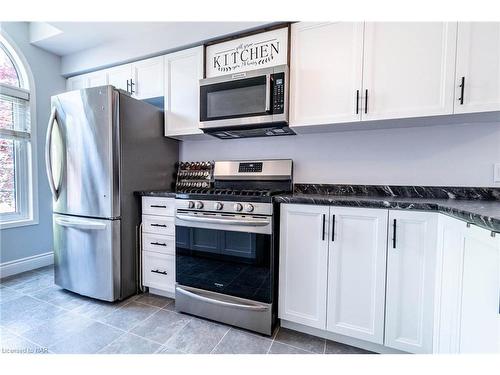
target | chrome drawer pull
[
  {"x": 160, "y": 272},
  {"x": 158, "y": 244}
]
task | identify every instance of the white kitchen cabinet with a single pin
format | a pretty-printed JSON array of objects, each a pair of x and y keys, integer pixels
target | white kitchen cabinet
[
  {"x": 77, "y": 83},
  {"x": 411, "y": 262},
  {"x": 478, "y": 65},
  {"x": 325, "y": 72},
  {"x": 96, "y": 79},
  {"x": 408, "y": 69},
  {"x": 303, "y": 264},
  {"x": 480, "y": 307},
  {"x": 356, "y": 273},
  {"x": 183, "y": 70},
  {"x": 120, "y": 76},
  {"x": 467, "y": 318},
  {"x": 147, "y": 75},
  {"x": 450, "y": 253},
  {"x": 158, "y": 245}
]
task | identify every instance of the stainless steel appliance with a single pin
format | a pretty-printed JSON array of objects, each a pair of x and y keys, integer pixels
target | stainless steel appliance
[
  {"x": 101, "y": 146},
  {"x": 226, "y": 244},
  {"x": 247, "y": 104}
]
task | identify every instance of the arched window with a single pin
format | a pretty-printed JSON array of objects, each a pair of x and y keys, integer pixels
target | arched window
[{"x": 16, "y": 159}]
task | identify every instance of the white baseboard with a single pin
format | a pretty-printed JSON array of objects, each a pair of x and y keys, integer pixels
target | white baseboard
[
  {"x": 377, "y": 348},
  {"x": 26, "y": 264}
]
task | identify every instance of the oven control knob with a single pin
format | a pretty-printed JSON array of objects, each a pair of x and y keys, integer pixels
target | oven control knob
[
  {"x": 190, "y": 204},
  {"x": 238, "y": 207},
  {"x": 199, "y": 205},
  {"x": 248, "y": 208},
  {"x": 218, "y": 206}
]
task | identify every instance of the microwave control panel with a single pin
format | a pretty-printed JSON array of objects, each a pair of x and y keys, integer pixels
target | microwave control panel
[{"x": 278, "y": 93}]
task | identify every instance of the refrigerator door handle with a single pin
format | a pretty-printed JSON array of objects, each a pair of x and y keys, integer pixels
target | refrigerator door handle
[
  {"x": 79, "y": 223},
  {"x": 48, "y": 161}
]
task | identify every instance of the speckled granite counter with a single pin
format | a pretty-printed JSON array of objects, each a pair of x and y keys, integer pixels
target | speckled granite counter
[
  {"x": 155, "y": 193},
  {"x": 483, "y": 213}
]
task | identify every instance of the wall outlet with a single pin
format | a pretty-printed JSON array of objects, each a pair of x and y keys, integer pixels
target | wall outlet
[{"x": 496, "y": 172}]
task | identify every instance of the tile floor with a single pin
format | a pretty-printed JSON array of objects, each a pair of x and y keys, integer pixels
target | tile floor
[{"x": 36, "y": 316}]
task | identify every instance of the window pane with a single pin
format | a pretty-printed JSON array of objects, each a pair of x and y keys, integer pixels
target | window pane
[
  {"x": 14, "y": 113},
  {"x": 7, "y": 176},
  {"x": 8, "y": 73}
]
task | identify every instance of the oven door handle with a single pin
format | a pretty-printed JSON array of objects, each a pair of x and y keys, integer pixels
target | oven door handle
[
  {"x": 231, "y": 221},
  {"x": 219, "y": 302}
]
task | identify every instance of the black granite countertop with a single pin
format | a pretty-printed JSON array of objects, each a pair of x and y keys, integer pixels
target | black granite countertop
[
  {"x": 155, "y": 193},
  {"x": 483, "y": 213}
]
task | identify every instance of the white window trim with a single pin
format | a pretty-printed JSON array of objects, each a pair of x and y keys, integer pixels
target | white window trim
[{"x": 29, "y": 179}]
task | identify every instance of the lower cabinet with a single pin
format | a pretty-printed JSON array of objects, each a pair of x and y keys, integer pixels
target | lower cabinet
[
  {"x": 303, "y": 264},
  {"x": 158, "y": 245},
  {"x": 467, "y": 318},
  {"x": 411, "y": 263},
  {"x": 356, "y": 273}
]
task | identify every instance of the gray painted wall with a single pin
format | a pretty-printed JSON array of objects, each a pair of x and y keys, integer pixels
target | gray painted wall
[
  {"x": 461, "y": 155},
  {"x": 21, "y": 242}
]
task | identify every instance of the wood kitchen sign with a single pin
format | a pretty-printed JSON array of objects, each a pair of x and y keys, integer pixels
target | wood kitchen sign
[{"x": 243, "y": 54}]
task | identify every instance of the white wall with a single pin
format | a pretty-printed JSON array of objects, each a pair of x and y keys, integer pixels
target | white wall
[
  {"x": 22, "y": 242},
  {"x": 174, "y": 36},
  {"x": 451, "y": 155}
]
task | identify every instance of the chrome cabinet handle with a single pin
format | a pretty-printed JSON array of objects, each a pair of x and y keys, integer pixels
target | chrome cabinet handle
[{"x": 219, "y": 302}]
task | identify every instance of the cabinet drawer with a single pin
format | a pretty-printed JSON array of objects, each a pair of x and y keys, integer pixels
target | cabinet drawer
[
  {"x": 158, "y": 271},
  {"x": 158, "y": 243},
  {"x": 158, "y": 206},
  {"x": 158, "y": 225}
]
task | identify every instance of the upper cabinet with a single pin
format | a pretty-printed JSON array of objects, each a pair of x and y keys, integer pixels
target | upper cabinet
[
  {"x": 147, "y": 78},
  {"x": 344, "y": 72},
  {"x": 477, "y": 82},
  {"x": 408, "y": 69},
  {"x": 183, "y": 71},
  {"x": 120, "y": 77},
  {"x": 325, "y": 72}
]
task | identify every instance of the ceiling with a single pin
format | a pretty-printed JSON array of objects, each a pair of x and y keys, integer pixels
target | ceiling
[{"x": 65, "y": 38}]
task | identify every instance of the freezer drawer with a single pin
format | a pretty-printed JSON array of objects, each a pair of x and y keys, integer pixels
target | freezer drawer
[{"x": 87, "y": 256}]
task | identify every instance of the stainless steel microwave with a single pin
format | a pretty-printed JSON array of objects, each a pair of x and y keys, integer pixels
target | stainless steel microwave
[{"x": 246, "y": 104}]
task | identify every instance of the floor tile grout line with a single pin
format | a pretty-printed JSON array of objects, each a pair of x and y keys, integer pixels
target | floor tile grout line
[
  {"x": 24, "y": 338},
  {"x": 222, "y": 338}
]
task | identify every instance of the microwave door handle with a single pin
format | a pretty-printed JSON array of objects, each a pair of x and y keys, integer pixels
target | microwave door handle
[{"x": 268, "y": 93}]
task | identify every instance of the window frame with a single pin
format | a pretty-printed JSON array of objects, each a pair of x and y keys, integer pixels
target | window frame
[{"x": 25, "y": 162}]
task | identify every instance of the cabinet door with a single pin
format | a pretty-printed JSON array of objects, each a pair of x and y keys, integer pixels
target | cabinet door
[
  {"x": 478, "y": 64},
  {"x": 98, "y": 78},
  {"x": 183, "y": 70},
  {"x": 148, "y": 78},
  {"x": 450, "y": 252},
  {"x": 356, "y": 273},
  {"x": 480, "y": 320},
  {"x": 77, "y": 83},
  {"x": 119, "y": 75},
  {"x": 411, "y": 261},
  {"x": 408, "y": 69},
  {"x": 325, "y": 72},
  {"x": 303, "y": 264}
]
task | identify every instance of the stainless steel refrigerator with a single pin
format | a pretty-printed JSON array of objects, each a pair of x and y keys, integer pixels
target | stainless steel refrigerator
[{"x": 101, "y": 146}]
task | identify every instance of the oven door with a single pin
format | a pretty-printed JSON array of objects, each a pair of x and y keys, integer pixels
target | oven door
[
  {"x": 225, "y": 253},
  {"x": 238, "y": 99}
]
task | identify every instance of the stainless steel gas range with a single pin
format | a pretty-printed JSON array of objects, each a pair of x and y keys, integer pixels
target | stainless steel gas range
[{"x": 226, "y": 240}]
